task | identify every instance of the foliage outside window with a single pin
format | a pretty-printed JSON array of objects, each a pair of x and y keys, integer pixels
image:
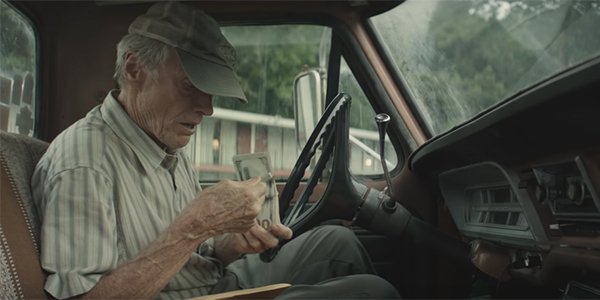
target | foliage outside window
[
  {"x": 17, "y": 71},
  {"x": 458, "y": 58},
  {"x": 268, "y": 60}
]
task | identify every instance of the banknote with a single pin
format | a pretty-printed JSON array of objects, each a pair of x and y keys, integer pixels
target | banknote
[{"x": 259, "y": 164}]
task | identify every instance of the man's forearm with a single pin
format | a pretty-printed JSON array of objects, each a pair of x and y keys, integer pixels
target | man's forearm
[
  {"x": 224, "y": 208},
  {"x": 147, "y": 274}
]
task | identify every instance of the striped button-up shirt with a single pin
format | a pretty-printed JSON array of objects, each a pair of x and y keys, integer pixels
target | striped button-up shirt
[{"x": 104, "y": 191}]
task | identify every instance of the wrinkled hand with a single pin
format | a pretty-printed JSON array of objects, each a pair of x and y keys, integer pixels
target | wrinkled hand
[
  {"x": 256, "y": 240},
  {"x": 227, "y": 207}
]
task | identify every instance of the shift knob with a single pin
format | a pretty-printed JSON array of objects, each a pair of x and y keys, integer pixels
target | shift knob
[{"x": 382, "y": 121}]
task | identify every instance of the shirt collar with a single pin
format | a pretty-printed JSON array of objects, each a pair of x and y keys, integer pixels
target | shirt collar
[{"x": 126, "y": 129}]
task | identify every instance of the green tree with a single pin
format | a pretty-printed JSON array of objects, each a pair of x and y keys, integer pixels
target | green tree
[
  {"x": 488, "y": 50},
  {"x": 268, "y": 59},
  {"x": 476, "y": 58}
]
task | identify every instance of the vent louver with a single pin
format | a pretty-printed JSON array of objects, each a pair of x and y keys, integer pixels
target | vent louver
[{"x": 494, "y": 206}]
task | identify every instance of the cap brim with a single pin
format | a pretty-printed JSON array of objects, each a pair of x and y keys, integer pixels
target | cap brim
[{"x": 211, "y": 78}]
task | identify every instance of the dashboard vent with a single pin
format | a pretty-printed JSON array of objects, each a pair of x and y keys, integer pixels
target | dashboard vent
[
  {"x": 486, "y": 202},
  {"x": 494, "y": 206}
]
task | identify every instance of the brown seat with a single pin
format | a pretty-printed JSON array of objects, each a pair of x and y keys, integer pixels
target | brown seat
[{"x": 21, "y": 276}]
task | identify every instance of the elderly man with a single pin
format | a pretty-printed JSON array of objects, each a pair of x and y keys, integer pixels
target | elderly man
[{"x": 122, "y": 214}]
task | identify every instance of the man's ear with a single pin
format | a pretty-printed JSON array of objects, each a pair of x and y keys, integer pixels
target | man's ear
[{"x": 133, "y": 70}]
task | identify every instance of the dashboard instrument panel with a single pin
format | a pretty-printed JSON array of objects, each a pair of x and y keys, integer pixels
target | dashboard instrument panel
[{"x": 522, "y": 182}]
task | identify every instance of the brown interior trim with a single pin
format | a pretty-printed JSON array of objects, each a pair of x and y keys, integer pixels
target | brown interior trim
[{"x": 387, "y": 80}]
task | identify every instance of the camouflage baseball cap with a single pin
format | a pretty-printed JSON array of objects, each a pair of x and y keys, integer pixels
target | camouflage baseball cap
[{"x": 207, "y": 57}]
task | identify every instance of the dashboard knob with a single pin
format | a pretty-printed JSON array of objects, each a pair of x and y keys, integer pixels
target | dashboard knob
[
  {"x": 546, "y": 193},
  {"x": 576, "y": 192}
]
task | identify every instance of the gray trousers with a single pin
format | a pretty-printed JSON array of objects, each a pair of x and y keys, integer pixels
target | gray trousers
[{"x": 326, "y": 262}]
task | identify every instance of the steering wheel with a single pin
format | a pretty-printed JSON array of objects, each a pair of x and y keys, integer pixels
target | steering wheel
[{"x": 341, "y": 198}]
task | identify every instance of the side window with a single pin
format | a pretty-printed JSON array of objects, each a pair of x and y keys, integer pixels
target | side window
[
  {"x": 364, "y": 137},
  {"x": 269, "y": 59},
  {"x": 17, "y": 72}
]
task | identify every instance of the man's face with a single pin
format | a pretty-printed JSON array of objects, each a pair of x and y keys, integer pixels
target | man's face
[{"x": 168, "y": 106}]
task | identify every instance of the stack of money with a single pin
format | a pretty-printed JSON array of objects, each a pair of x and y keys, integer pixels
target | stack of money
[{"x": 259, "y": 164}]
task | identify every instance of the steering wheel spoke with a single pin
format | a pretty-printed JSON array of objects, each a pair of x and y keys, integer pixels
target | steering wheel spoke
[{"x": 313, "y": 180}]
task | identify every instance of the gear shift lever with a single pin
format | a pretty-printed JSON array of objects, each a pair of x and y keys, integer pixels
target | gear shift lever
[{"x": 382, "y": 121}]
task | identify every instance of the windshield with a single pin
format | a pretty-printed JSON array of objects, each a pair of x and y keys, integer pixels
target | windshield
[{"x": 457, "y": 58}]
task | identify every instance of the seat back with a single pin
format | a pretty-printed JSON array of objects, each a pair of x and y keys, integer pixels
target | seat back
[{"x": 21, "y": 275}]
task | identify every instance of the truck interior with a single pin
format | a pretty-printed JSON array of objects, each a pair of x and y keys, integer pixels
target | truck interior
[{"x": 460, "y": 140}]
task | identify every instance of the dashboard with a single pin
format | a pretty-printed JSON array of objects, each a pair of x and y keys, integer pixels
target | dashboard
[{"x": 522, "y": 183}]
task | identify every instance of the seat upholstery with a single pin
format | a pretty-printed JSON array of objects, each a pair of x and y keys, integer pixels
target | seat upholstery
[{"x": 21, "y": 276}]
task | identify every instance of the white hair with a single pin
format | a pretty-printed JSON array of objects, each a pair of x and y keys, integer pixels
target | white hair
[{"x": 150, "y": 53}]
